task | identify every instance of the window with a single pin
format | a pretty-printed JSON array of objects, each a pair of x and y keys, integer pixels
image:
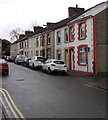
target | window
[
  {"x": 58, "y": 37},
  {"x": 43, "y": 40},
  {"x": 66, "y": 35},
  {"x": 82, "y": 30},
  {"x": 31, "y": 53},
  {"x": 49, "y": 53},
  {"x": 27, "y": 53},
  {"x": 37, "y": 52},
  {"x": 71, "y": 33},
  {"x": 59, "y": 54},
  {"x": 40, "y": 40},
  {"x": 43, "y": 53},
  {"x": 40, "y": 52},
  {"x": 82, "y": 55},
  {"x": 27, "y": 43},
  {"x": 36, "y": 42},
  {"x": 48, "y": 39}
]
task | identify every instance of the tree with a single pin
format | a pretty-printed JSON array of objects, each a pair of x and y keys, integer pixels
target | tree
[{"x": 15, "y": 33}]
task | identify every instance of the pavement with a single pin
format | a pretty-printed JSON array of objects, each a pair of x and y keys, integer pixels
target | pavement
[{"x": 98, "y": 82}]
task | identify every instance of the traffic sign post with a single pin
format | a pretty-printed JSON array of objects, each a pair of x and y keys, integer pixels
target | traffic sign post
[{"x": 87, "y": 50}]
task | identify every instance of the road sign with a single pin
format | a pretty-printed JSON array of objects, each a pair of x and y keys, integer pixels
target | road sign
[{"x": 87, "y": 49}]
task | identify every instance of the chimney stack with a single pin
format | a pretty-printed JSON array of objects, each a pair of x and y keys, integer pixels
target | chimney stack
[
  {"x": 28, "y": 32},
  {"x": 21, "y": 36},
  {"x": 75, "y": 10},
  {"x": 37, "y": 28}
]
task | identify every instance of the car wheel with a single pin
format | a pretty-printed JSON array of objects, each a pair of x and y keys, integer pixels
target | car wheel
[
  {"x": 42, "y": 69},
  {"x": 64, "y": 72},
  {"x": 6, "y": 73},
  {"x": 33, "y": 67},
  {"x": 49, "y": 71}
]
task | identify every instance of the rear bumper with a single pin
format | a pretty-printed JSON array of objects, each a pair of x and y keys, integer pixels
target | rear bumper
[{"x": 3, "y": 70}]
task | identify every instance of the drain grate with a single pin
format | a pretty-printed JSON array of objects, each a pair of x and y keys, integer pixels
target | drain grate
[{"x": 20, "y": 80}]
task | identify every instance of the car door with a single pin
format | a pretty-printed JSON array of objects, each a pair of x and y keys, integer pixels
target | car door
[{"x": 30, "y": 61}]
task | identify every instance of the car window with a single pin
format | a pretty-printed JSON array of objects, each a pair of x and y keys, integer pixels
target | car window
[
  {"x": 41, "y": 58},
  {"x": 58, "y": 62},
  {"x": 2, "y": 61}
]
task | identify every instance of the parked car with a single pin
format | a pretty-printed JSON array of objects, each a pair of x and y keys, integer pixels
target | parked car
[
  {"x": 12, "y": 59},
  {"x": 36, "y": 61},
  {"x": 7, "y": 58},
  {"x": 54, "y": 65},
  {"x": 19, "y": 59},
  {"x": 26, "y": 62},
  {"x": 4, "y": 68}
]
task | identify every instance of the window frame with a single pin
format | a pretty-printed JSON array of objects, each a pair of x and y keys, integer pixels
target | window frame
[
  {"x": 65, "y": 36},
  {"x": 79, "y": 56},
  {"x": 59, "y": 37},
  {"x": 72, "y": 26},
  {"x": 48, "y": 39},
  {"x": 79, "y": 30}
]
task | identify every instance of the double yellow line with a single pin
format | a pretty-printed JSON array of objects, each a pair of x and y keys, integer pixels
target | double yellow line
[
  {"x": 100, "y": 89},
  {"x": 17, "y": 115}
]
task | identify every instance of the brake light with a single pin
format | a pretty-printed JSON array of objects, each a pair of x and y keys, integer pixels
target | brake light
[
  {"x": 64, "y": 65},
  {"x": 5, "y": 65},
  {"x": 53, "y": 65}
]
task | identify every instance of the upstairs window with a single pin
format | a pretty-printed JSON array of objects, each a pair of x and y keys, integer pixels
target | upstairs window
[
  {"x": 58, "y": 37},
  {"x": 66, "y": 35},
  {"x": 37, "y": 42},
  {"x": 48, "y": 39},
  {"x": 71, "y": 33},
  {"x": 43, "y": 40},
  {"x": 82, "y": 30}
]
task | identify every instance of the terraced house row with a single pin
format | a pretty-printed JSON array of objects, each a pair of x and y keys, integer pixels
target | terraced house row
[{"x": 81, "y": 40}]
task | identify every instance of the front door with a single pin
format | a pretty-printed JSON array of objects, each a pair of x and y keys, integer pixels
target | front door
[{"x": 71, "y": 58}]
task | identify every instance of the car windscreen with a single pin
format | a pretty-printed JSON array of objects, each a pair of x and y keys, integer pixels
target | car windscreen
[
  {"x": 2, "y": 61},
  {"x": 58, "y": 62},
  {"x": 41, "y": 58}
]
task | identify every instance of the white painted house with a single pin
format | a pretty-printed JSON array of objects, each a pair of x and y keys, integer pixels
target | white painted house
[{"x": 88, "y": 41}]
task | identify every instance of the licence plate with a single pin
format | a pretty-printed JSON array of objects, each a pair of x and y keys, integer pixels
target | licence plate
[{"x": 0, "y": 66}]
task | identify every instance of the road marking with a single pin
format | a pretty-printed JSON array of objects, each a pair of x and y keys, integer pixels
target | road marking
[
  {"x": 91, "y": 86},
  {"x": 4, "y": 92},
  {"x": 13, "y": 112}
]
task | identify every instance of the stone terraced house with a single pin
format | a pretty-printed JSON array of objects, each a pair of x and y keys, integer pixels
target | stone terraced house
[{"x": 81, "y": 40}]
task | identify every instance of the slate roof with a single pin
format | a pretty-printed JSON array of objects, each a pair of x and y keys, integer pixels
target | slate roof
[
  {"x": 92, "y": 11},
  {"x": 89, "y": 12}
]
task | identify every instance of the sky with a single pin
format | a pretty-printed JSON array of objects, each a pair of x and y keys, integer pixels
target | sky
[{"x": 24, "y": 14}]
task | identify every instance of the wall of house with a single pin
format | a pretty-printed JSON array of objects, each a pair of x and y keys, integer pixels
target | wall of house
[
  {"x": 102, "y": 41},
  {"x": 87, "y": 41},
  {"x": 62, "y": 46},
  {"x": 14, "y": 49}
]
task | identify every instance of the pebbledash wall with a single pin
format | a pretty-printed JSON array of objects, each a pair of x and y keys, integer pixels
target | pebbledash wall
[
  {"x": 78, "y": 45},
  {"x": 95, "y": 39}
]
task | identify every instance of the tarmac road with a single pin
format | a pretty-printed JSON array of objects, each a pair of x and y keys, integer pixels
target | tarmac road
[{"x": 40, "y": 95}]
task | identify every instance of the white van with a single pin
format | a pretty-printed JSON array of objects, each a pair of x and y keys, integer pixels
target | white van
[{"x": 19, "y": 59}]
